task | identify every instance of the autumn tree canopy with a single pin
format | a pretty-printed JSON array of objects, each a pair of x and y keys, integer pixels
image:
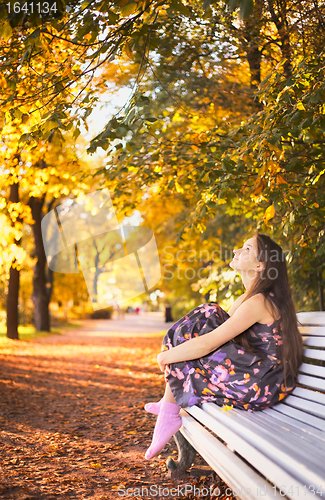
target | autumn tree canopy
[{"x": 225, "y": 122}]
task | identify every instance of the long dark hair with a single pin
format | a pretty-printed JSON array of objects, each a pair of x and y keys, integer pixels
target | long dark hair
[{"x": 274, "y": 279}]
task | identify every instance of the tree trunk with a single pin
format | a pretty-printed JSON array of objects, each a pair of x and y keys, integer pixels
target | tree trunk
[
  {"x": 12, "y": 304},
  {"x": 252, "y": 35},
  {"x": 280, "y": 19},
  {"x": 320, "y": 292},
  {"x": 42, "y": 281},
  {"x": 13, "y": 288}
]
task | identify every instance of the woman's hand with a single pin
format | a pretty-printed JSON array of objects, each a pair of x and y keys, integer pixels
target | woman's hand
[{"x": 162, "y": 362}]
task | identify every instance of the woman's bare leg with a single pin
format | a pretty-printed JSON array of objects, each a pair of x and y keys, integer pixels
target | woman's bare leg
[
  {"x": 155, "y": 407},
  {"x": 168, "y": 396}
]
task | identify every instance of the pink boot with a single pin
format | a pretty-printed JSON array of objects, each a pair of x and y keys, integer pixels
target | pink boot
[
  {"x": 168, "y": 422},
  {"x": 153, "y": 407}
]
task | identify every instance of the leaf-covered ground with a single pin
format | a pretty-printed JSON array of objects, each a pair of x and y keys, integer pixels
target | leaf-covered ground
[{"x": 72, "y": 422}]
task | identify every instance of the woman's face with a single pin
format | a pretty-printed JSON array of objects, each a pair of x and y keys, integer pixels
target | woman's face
[{"x": 245, "y": 258}]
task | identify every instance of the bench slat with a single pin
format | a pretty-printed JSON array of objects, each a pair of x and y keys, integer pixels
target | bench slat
[
  {"x": 312, "y": 330},
  {"x": 301, "y": 416},
  {"x": 314, "y": 354},
  {"x": 314, "y": 341},
  {"x": 318, "y": 371},
  {"x": 312, "y": 318},
  {"x": 308, "y": 406},
  {"x": 317, "y": 397},
  {"x": 285, "y": 429},
  {"x": 287, "y": 456},
  {"x": 313, "y": 382},
  {"x": 275, "y": 473},
  {"x": 286, "y": 419},
  {"x": 228, "y": 466}
]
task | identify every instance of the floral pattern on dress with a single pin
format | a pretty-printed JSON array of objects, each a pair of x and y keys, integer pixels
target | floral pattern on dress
[{"x": 230, "y": 375}]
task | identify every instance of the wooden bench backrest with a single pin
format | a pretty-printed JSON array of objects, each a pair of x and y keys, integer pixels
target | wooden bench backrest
[{"x": 307, "y": 402}]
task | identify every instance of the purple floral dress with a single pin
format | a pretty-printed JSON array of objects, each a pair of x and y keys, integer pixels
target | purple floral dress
[{"x": 230, "y": 375}]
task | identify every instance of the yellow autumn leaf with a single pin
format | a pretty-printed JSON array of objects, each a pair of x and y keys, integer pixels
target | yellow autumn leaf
[
  {"x": 206, "y": 177},
  {"x": 201, "y": 227},
  {"x": 179, "y": 188},
  {"x": 300, "y": 106},
  {"x": 67, "y": 71},
  {"x": 176, "y": 118},
  {"x": 281, "y": 180},
  {"x": 96, "y": 466},
  {"x": 269, "y": 213},
  {"x": 6, "y": 31},
  {"x": 128, "y": 51},
  {"x": 131, "y": 432},
  {"x": 3, "y": 82},
  {"x": 227, "y": 407},
  {"x": 128, "y": 9}
]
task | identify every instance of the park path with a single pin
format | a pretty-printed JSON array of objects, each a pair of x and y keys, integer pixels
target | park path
[{"x": 72, "y": 423}]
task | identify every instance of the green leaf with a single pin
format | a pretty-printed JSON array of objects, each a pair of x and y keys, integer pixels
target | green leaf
[
  {"x": 32, "y": 37},
  {"x": 85, "y": 4},
  {"x": 6, "y": 31},
  {"x": 232, "y": 4},
  {"x": 24, "y": 138},
  {"x": 142, "y": 101},
  {"x": 129, "y": 9},
  {"x": 206, "y": 5},
  {"x": 50, "y": 125},
  {"x": 151, "y": 119},
  {"x": 180, "y": 7},
  {"x": 112, "y": 19},
  {"x": 76, "y": 133},
  {"x": 246, "y": 8}
]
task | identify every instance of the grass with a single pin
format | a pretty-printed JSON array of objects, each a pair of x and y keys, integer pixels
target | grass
[{"x": 29, "y": 332}]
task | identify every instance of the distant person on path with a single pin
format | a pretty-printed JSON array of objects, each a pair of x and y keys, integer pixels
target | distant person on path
[
  {"x": 247, "y": 358},
  {"x": 168, "y": 313},
  {"x": 120, "y": 312}
]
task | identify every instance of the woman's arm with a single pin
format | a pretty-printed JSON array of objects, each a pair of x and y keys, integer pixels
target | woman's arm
[{"x": 249, "y": 312}]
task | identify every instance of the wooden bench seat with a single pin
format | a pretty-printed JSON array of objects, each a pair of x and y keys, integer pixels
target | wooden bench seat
[{"x": 278, "y": 452}]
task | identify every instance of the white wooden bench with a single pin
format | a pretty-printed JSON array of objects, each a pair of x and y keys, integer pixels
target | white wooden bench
[{"x": 278, "y": 452}]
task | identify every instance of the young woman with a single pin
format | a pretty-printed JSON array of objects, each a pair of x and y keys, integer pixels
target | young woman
[{"x": 247, "y": 358}]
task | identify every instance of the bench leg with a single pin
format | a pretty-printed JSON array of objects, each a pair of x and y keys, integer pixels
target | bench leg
[{"x": 186, "y": 455}]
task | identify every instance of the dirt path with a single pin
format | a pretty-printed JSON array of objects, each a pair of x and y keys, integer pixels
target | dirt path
[{"x": 72, "y": 424}]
